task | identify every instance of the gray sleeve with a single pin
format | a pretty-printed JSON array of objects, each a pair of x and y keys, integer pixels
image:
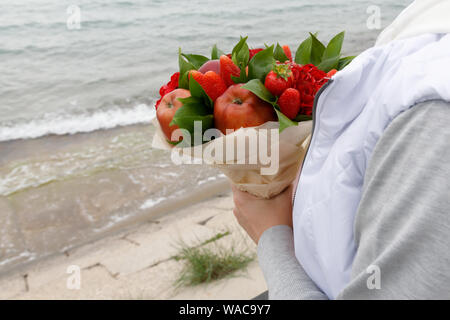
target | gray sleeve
[
  {"x": 285, "y": 277},
  {"x": 402, "y": 227}
]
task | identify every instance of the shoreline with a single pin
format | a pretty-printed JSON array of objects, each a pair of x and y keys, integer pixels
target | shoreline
[
  {"x": 137, "y": 262},
  {"x": 56, "y": 192},
  {"x": 151, "y": 215}
]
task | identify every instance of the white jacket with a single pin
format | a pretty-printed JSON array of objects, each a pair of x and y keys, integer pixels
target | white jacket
[{"x": 409, "y": 65}]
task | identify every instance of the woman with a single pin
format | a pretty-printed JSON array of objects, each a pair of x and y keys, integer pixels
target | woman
[{"x": 371, "y": 212}]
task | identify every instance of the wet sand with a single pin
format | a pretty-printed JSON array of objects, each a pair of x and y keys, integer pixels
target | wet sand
[{"x": 59, "y": 192}]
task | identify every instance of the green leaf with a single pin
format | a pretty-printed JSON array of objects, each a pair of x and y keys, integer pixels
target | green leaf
[
  {"x": 197, "y": 107},
  {"x": 242, "y": 76},
  {"x": 284, "y": 121},
  {"x": 303, "y": 54},
  {"x": 261, "y": 64},
  {"x": 216, "y": 53},
  {"x": 239, "y": 45},
  {"x": 329, "y": 64},
  {"x": 317, "y": 50},
  {"x": 198, "y": 92},
  {"x": 302, "y": 117},
  {"x": 334, "y": 47},
  {"x": 240, "y": 54},
  {"x": 183, "y": 81},
  {"x": 196, "y": 60},
  {"x": 279, "y": 54},
  {"x": 343, "y": 62},
  {"x": 258, "y": 88},
  {"x": 191, "y": 111},
  {"x": 185, "y": 67}
]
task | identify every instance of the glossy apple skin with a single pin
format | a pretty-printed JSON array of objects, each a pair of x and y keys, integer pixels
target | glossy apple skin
[
  {"x": 239, "y": 108},
  {"x": 166, "y": 111},
  {"x": 212, "y": 65}
]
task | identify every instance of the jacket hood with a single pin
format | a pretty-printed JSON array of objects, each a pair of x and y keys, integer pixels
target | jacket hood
[{"x": 420, "y": 17}]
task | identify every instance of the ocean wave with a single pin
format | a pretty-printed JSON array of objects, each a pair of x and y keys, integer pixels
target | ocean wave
[{"x": 61, "y": 124}]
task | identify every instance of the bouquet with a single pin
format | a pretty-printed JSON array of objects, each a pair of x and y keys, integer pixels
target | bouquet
[{"x": 247, "y": 113}]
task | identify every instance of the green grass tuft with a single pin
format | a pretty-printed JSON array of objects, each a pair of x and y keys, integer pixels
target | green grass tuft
[
  {"x": 216, "y": 237},
  {"x": 206, "y": 264}
]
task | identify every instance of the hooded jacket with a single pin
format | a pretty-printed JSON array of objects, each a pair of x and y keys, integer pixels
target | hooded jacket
[{"x": 409, "y": 65}]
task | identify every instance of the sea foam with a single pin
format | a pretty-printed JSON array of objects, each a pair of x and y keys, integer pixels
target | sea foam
[{"x": 61, "y": 124}]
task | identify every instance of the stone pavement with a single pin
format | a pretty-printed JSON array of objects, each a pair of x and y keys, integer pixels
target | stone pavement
[{"x": 137, "y": 263}]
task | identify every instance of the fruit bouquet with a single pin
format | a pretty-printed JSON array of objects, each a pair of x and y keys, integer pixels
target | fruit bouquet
[{"x": 247, "y": 113}]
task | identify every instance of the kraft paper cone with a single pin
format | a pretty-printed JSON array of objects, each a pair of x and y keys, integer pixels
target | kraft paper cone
[{"x": 292, "y": 145}]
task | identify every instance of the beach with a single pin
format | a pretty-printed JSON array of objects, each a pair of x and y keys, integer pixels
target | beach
[
  {"x": 79, "y": 179},
  {"x": 88, "y": 188},
  {"x": 136, "y": 263}
]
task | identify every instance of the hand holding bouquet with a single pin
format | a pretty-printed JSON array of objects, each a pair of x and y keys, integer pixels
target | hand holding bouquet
[{"x": 249, "y": 112}]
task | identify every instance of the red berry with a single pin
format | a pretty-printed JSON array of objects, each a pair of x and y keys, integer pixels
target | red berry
[
  {"x": 211, "y": 82},
  {"x": 290, "y": 102},
  {"x": 228, "y": 69},
  {"x": 287, "y": 52},
  {"x": 279, "y": 79}
]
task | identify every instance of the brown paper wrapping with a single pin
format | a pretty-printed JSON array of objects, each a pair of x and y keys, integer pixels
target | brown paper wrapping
[{"x": 292, "y": 143}]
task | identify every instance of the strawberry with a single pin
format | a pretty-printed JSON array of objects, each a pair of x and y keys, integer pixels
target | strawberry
[
  {"x": 228, "y": 69},
  {"x": 331, "y": 73},
  {"x": 279, "y": 79},
  {"x": 287, "y": 52},
  {"x": 290, "y": 102},
  {"x": 211, "y": 82}
]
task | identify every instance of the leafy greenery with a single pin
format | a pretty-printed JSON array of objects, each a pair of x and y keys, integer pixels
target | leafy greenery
[
  {"x": 329, "y": 64},
  {"x": 216, "y": 53},
  {"x": 185, "y": 67},
  {"x": 324, "y": 57},
  {"x": 258, "y": 88},
  {"x": 334, "y": 47},
  {"x": 284, "y": 121},
  {"x": 317, "y": 50},
  {"x": 303, "y": 54},
  {"x": 241, "y": 56},
  {"x": 261, "y": 64},
  {"x": 279, "y": 54},
  {"x": 196, "y": 60},
  {"x": 192, "y": 111},
  {"x": 343, "y": 62},
  {"x": 197, "y": 107}
]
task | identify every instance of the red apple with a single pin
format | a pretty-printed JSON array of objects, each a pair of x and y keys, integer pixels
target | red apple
[
  {"x": 167, "y": 108},
  {"x": 240, "y": 108}
]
